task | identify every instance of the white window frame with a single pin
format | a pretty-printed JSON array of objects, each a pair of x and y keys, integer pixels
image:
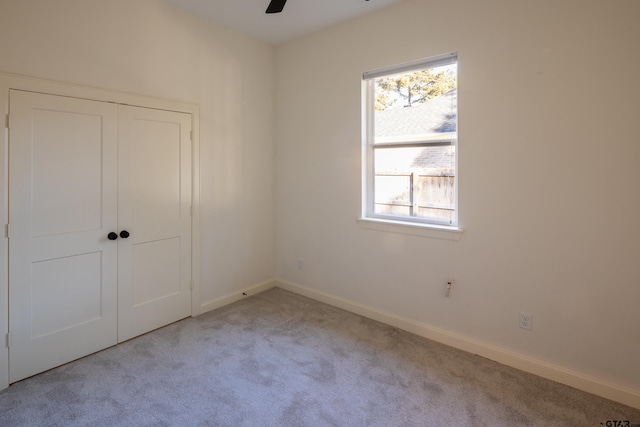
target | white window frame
[{"x": 368, "y": 120}]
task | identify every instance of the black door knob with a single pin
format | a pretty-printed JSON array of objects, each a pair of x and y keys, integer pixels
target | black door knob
[
  {"x": 112, "y": 236},
  {"x": 124, "y": 234}
]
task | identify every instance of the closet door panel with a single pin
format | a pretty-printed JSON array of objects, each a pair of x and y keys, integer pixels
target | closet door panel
[
  {"x": 62, "y": 205},
  {"x": 154, "y": 208}
]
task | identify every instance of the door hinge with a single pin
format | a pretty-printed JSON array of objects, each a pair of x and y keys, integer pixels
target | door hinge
[
  {"x": 191, "y": 210},
  {"x": 6, "y": 231},
  {"x": 191, "y": 284},
  {"x": 191, "y": 135},
  {"x": 6, "y": 123},
  {"x": 8, "y": 340}
]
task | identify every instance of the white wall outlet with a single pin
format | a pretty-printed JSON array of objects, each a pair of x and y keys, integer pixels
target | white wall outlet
[
  {"x": 526, "y": 321},
  {"x": 300, "y": 264}
]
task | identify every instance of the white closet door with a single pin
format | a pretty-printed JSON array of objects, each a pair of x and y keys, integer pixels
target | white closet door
[
  {"x": 154, "y": 262},
  {"x": 63, "y": 204}
]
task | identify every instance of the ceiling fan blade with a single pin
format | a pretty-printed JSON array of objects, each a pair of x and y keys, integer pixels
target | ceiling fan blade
[{"x": 276, "y": 6}]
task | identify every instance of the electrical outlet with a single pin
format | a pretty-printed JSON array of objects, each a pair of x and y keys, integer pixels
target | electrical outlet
[
  {"x": 526, "y": 321},
  {"x": 300, "y": 264}
]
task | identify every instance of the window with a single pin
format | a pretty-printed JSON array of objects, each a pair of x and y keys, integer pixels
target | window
[{"x": 410, "y": 137}]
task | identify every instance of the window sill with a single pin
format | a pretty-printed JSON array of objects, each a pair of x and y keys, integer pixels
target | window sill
[{"x": 411, "y": 228}]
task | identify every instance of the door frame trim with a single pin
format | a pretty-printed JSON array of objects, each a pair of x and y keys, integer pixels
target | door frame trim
[{"x": 12, "y": 81}]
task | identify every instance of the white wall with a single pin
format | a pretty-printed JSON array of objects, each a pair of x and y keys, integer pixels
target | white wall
[
  {"x": 148, "y": 47},
  {"x": 548, "y": 179}
]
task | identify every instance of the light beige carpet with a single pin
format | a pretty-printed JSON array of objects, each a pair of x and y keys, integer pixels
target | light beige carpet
[{"x": 279, "y": 359}]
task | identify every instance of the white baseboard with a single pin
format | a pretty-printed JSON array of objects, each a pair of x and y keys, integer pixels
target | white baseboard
[
  {"x": 543, "y": 369},
  {"x": 235, "y": 296}
]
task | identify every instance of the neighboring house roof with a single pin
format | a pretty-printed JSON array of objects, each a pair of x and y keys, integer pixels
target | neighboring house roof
[
  {"x": 436, "y": 160},
  {"x": 434, "y": 119},
  {"x": 431, "y": 118}
]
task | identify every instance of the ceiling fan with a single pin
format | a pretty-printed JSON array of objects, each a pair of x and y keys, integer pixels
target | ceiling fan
[{"x": 276, "y": 6}]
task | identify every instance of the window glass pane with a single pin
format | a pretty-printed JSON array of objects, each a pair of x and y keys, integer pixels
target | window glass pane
[
  {"x": 393, "y": 194},
  {"x": 435, "y": 196},
  {"x": 393, "y": 210},
  {"x": 426, "y": 160},
  {"x": 435, "y": 191},
  {"x": 437, "y": 214},
  {"x": 419, "y": 105},
  {"x": 421, "y": 178}
]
